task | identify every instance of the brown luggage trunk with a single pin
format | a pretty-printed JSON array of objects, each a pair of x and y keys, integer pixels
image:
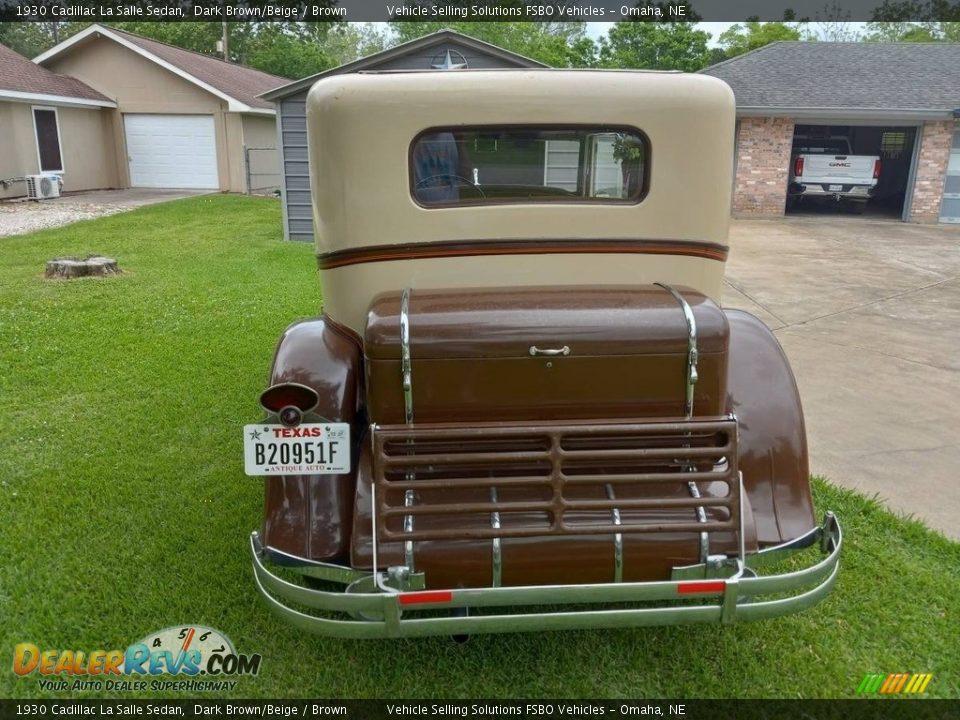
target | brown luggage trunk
[
  {"x": 484, "y": 362},
  {"x": 478, "y": 354}
]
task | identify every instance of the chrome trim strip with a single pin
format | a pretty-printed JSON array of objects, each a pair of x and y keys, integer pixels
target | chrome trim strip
[
  {"x": 617, "y": 539},
  {"x": 496, "y": 545},
  {"x": 311, "y": 568},
  {"x": 743, "y": 526},
  {"x": 377, "y": 577},
  {"x": 405, "y": 365},
  {"x": 692, "y": 357},
  {"x": 702, "y": 517},
  {"x": 408, "y": 499},
  {"x": 406, "y": 372},
  {"x": 734, "y": 603},
  {"x": 692, "y": 354}
]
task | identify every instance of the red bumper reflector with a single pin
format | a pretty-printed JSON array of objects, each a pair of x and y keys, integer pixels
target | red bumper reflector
[
  {"x": 428, "y": 596},
  {"x": 713, "y": 586}
]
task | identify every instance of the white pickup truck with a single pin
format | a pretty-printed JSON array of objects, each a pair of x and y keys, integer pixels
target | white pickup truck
[{"x": 823, "y": 168}]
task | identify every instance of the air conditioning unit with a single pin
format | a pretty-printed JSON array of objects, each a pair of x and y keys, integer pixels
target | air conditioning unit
[{"x": 43, "y": 187}]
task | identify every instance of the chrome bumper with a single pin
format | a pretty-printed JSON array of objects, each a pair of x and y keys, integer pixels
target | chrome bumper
[
  {"x": 393, "y": 614},
  {"x": 855, "y": 192}
]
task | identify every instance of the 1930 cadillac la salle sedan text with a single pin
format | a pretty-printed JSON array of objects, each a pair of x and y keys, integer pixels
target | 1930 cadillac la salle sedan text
[{"x": 523, "y": 406}]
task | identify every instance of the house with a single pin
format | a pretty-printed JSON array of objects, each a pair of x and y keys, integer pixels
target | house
[
  {"x": 52, "y": 124},
  {"x": 444, "y": 50},
  {"x": 171, "y": 118},
  {"x": 900, "y": 101}
]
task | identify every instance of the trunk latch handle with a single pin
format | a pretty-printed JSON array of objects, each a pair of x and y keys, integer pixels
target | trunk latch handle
[{"x": 550, "y": 352}]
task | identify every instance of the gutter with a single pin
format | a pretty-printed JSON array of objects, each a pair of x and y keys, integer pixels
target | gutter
[
  {"x": 841, "y": 113},
  {"x": 59, "y": 100}
]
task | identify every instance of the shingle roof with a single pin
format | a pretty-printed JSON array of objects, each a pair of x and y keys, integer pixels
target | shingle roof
[
  {"x": 17, "y": 73},
  {"x": 887, "y": 76},
  {"x": 237, "y": 81}
]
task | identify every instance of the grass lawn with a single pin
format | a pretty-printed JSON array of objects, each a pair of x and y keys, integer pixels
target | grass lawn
[{"x": 124, "y": 508}]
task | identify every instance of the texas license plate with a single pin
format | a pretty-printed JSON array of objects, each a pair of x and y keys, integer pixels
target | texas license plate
[
  {"x": 836, "y": 188},
  {"x": 309, "y": 449}
]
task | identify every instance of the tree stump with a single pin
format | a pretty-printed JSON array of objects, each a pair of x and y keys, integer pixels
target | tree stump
[{"x": 93, "y": 266}]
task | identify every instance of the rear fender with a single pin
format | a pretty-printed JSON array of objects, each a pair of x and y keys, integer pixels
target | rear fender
[
  {"x": 762, "y": 393},
  {"x": 310, "y": 516}
]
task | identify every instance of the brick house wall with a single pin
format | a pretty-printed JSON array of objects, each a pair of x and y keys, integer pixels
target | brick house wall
[
  {"x": 931, "y": 170},
  {"x": 763, "y": 160}
]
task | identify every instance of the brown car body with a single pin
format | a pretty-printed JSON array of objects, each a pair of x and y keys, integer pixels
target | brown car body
[{"x": 581, "y": 420}]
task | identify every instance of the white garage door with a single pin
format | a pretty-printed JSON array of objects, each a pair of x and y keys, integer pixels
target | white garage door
[{"x": 171, "y": 151}]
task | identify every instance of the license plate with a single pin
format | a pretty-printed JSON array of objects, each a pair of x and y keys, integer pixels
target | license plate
[
  {"x": 836, "y": 188},
  {"x": 309, "y": 449}
]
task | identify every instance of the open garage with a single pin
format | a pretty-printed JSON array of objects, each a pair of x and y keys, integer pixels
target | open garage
[
  {"x": 887, "y": 152},
  {"x": 898, "y": 102}
]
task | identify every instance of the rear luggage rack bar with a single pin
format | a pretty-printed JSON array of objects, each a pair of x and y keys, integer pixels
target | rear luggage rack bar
[
  {"x": 617, "y": 539},
  {"x": 556, "y": 489},
  {"x": 497, "y": 556}
]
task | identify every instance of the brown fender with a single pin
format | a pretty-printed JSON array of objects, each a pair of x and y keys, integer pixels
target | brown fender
[
  {"x": 762, "y": 392},
  {"x": 310, "y": 516}
]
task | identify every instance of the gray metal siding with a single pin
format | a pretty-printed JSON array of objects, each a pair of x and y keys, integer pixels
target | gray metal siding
[
  {"x": 296, "y": 168},
  {"x": 950, "y": 210}
]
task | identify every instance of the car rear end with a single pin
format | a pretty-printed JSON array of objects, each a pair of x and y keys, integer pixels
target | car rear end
[
  {"x": 551, "y": 421},
  {"x": 818, "y": 173}
]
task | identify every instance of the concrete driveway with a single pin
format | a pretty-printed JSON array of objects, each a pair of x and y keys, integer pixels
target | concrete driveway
[
  {"x": 22, "y": 216},
  {"x": 869, "y": 315}
]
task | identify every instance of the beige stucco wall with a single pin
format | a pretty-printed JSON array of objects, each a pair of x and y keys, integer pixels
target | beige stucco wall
[
  {"x": 18, "y": 148},
  {"x": 261, "y": 132},
  {"x": 86, "y": 144},
  {"x": 233, "y": 142},
  {"x": 139, "y": 85}
]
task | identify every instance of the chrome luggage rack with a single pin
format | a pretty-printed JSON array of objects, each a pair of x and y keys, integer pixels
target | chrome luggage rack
[{"x": 539, "y": 480}]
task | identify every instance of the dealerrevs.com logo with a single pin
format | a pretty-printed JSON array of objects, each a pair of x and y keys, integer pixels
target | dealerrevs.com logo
[{"x": 202, "y": 658}]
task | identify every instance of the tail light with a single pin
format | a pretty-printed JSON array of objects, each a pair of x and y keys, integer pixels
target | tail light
[
  {"x": 876, "y": 169},
  {"x": 290, "y": 401},
  {"x": 798, "y": 167}
]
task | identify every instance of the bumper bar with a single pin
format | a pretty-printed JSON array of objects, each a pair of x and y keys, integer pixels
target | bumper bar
[{"x": 723, "y": 600}]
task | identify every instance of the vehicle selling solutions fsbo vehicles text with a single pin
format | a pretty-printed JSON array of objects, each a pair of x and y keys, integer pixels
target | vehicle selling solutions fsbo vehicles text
[{"x": 531, "y": 11}]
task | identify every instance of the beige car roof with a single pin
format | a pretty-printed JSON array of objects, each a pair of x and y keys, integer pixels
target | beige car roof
[{"x": 361, "y": 127}]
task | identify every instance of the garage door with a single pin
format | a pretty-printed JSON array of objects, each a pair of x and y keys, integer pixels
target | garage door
[
  {"x": 171, "y": 151},
  {"x": 950, "y": 211}
]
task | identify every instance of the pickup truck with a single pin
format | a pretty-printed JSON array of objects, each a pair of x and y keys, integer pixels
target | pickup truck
[{"x": 824, "y": 168}]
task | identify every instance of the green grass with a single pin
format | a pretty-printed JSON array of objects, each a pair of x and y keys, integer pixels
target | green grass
[{"x": 124, "y": 508}]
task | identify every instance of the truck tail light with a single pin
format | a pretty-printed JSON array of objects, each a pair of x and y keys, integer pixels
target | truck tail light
[
  {"x": 876, "y": 169},
  {"x": 283, "y": 396},
  {"x": 798, "y": 167}
]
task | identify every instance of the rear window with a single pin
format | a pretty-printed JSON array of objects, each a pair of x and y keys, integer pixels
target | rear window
[
  {"x": 490, "y": 165},
  {"x": 822, "y": 146}
]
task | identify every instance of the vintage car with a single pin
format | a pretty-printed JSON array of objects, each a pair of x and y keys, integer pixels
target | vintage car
[{"x": 523, "y": 407}]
